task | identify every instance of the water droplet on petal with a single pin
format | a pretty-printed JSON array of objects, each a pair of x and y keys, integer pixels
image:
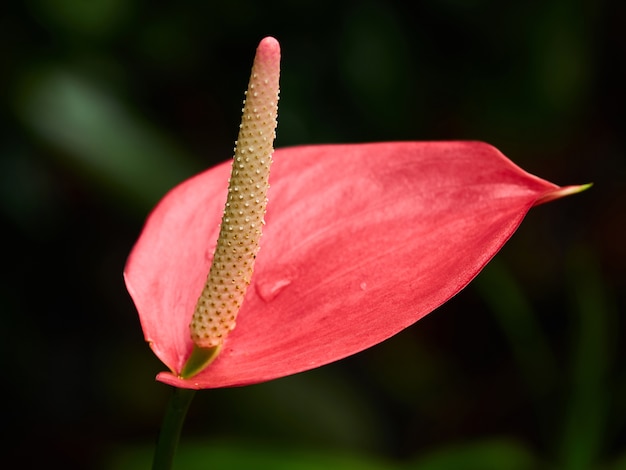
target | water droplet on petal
[
  {"x": 363, "y": 286},
  {"x": 269, "y": 290}
]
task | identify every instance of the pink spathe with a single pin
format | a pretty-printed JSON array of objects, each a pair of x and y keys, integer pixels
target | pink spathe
[{"x": 360, "y": 242}]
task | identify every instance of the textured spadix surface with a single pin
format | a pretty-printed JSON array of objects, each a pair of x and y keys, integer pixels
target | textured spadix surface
[
  {"x": 233, "y": 263},
  {"x": 361, "y": 241}
]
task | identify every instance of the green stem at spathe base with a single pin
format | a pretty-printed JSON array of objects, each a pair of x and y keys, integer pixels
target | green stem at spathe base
[
  {"x": 178, "y": 406},
  {"x": 171, "y": 428}
]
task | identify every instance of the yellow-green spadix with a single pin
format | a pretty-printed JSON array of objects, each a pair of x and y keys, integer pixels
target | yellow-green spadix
[{"x": 240, "y": 232}]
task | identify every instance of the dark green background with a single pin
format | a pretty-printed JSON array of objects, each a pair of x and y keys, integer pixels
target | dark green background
[{"x": 106, "y": 104}]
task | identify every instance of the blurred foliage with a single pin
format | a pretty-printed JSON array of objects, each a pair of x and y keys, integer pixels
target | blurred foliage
[
  {"x": 488, "y": 455},
  {"x": 107, "y": 104}
]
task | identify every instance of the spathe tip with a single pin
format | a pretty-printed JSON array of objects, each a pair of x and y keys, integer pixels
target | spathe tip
[{"x": 562, "y": 192}]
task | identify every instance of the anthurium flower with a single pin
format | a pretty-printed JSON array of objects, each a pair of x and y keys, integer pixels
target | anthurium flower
[{"x": 360, "y": 242}]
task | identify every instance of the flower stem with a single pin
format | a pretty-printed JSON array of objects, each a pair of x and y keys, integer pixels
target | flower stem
[{"x": 171, "y": 427}]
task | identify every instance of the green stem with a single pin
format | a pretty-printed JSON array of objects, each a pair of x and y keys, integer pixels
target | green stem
[{"x": 171, "y": 427}]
